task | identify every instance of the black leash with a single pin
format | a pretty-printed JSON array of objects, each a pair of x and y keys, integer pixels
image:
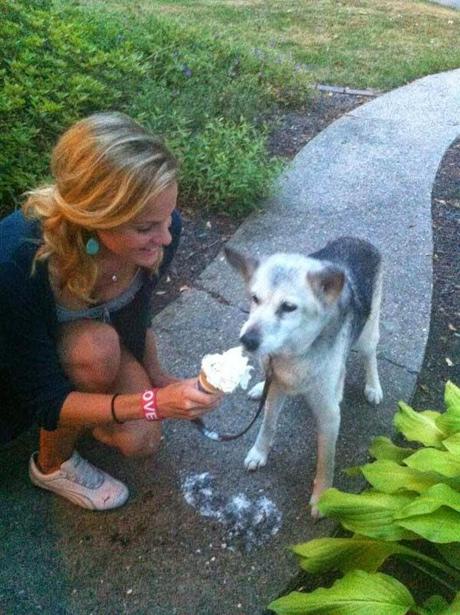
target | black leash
[{"x": 213, "y": 435}]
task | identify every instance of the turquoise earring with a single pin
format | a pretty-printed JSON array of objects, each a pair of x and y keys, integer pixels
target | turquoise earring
[{"x": 92, "y": 246}]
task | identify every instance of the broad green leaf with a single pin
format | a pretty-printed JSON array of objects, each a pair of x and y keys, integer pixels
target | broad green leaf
[
  {"x": 430, "y": 414},
  {"x": 295, "y": 603},
  {"x": 357, "y": 593},
  {"x": 383, "y": 448},
  {"x": 434, "y": 515},
  {"x": 390, "y": 477},
  {"x": 442, "y": 525},
  {"x": 346, "y": 554},
  {"x": 418, "y": 426},
  {"x": 452, "y": 397},
  {"x": 433, "y": 498},
  {"x": 369, "y": 513},
  {"x": 430, "y": 459},
  {"x": 449, "y": 422},
  {"x": 452, "y": 444}
]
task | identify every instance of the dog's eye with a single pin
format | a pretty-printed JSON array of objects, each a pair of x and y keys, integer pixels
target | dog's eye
[
  {"x": 255, "y": 299},
  {"x": 287, "y": 307}
]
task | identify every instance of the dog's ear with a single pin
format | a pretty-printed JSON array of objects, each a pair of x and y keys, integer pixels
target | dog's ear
[
  {"x": 246, "y": 265},
  {"x": 327, "y": 283}
]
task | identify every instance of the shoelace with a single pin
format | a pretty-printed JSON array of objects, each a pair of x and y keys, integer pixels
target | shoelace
[{"x": 85, "y": 474}]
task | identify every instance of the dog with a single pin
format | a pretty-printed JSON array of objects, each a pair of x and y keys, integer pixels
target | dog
[{"x": 306, "y": 314}]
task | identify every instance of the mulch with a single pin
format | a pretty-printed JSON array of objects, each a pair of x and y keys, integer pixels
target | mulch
[
  {"x": 442, "y": 356},
  {"x": 205, "y": 233}
]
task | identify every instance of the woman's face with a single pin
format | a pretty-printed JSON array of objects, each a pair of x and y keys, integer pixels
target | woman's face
[{"x": 140, "y": 241}]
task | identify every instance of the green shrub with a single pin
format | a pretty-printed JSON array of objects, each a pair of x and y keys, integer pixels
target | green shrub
[
  {"x": 223, "y": 165},
  {"x": 54, "y": 70},
  {"x": 411, "y": 512},
  {"x": 60, "y": 62}
]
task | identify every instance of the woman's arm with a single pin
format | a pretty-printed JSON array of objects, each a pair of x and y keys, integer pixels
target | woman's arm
[
  {"x": 176, "y": 399},
  {"x": 180, "y": 400}
]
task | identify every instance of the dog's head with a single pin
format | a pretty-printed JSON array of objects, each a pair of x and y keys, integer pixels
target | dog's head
[{"x": 292, "y": 299}]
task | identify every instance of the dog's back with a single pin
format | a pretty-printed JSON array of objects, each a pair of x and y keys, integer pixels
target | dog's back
[{"x": 362, "y": 263}]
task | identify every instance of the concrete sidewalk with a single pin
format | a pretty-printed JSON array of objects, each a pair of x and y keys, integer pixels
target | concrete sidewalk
[
  {"x": 452, "y": 4},
  {"x": 201, "y": 536}
]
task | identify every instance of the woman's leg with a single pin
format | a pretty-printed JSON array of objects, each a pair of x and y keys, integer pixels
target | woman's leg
[
  {"x": 133, "y": 438},
  {"x": 90, "y": 353}
]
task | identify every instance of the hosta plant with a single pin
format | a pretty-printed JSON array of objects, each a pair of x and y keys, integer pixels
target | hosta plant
[{"x": 410, "y": 511}]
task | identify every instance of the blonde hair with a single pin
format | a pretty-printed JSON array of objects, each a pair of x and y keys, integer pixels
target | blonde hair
[{"x": 106, "y": 169}]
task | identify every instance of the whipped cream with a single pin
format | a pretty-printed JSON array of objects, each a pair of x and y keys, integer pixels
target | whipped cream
[{"x": 228, "y": 370}]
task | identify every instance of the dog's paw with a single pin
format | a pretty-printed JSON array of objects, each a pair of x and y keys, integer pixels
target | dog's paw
[
  {"x": 256, "y": 392},
  {"x": 255, "y": 459},
  {"x": 314, "y": 511},
  {"x": 319, "y": 487},
  {"x": 374, "y": 394}
]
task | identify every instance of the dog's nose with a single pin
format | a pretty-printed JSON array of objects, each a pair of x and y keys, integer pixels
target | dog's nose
[{"x": 250, "y": 340}]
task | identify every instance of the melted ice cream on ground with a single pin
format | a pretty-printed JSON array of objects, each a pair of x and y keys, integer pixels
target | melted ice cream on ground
[{"x": 247, "y": 522}]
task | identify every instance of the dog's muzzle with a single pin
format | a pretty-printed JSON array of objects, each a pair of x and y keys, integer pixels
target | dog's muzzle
[{"x": 251, "y": 340}]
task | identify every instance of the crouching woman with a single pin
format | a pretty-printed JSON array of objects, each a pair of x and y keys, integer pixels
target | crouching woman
[{"x": 77, "y": 268}]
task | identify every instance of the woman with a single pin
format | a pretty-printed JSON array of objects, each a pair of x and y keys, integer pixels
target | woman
[{"x": 77, "y": 269}]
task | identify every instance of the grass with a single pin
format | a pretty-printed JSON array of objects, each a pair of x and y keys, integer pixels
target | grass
[{"x": 356, "y": 43}]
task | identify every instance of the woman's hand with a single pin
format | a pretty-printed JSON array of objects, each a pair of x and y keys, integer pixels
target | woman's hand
[{"x": 183, "y": 400}]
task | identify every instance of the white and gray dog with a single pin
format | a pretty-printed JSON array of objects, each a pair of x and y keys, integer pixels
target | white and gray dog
[{"x": 306, "y": 314}]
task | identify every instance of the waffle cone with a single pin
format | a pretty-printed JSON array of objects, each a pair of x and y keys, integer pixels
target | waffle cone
[{"x": 205, "y": 385}]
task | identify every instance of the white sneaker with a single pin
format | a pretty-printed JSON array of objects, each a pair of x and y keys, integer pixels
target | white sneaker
[{"x": 81, "y": 483}]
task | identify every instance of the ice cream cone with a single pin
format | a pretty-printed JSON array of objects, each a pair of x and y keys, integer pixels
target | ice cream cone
[{"x": 205, "y": 385}]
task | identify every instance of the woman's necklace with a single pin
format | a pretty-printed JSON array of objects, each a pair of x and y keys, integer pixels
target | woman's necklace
[
  {"x": 112, "y": 284},
  {"x": 115, "y": 277},
  {"x": 119, "y": 276}
]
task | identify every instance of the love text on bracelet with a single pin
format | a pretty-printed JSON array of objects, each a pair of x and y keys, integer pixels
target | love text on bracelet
[
  {"x": 150, "y": 406},
  {"x": 112, "y": 409}
]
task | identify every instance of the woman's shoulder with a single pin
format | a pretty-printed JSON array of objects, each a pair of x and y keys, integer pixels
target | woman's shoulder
[{"x": 19, "y": 238}]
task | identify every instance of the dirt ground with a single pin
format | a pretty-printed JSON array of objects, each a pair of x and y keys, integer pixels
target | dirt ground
[
  {"x": 442, "y": 356},
  {"x": 204, "y": 235}
]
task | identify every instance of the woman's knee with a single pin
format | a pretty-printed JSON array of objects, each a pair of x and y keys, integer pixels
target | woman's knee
[
  {"x": 140, "y": 443},
  {"x": 91, "y": 354}
]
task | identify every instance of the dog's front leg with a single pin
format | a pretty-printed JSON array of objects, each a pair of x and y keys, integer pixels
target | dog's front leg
[
  {"x": 328, "y": 423},
  {"x": 257, "y": 456}
]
